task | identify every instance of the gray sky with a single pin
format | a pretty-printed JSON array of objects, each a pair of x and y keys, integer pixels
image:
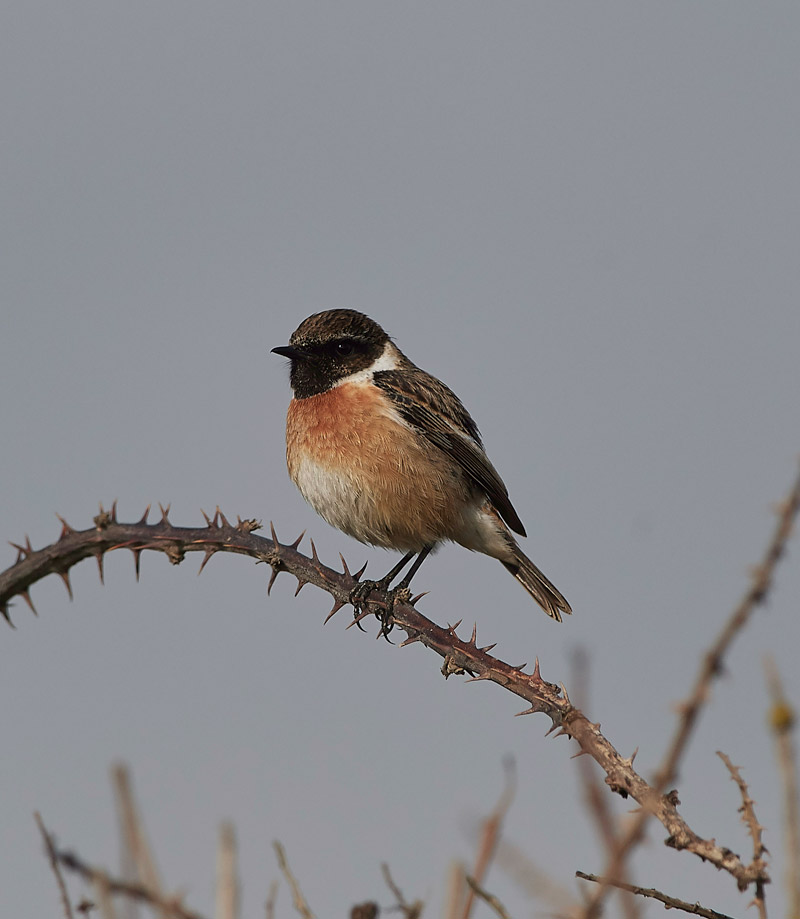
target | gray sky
[{"x": 584, "y": 218}]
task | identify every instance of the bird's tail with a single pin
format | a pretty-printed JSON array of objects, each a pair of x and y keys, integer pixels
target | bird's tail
[{"x": 543, "y": 591}]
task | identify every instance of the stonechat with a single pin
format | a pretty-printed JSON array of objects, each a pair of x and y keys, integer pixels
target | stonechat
[{"x": 387, "y": 453}]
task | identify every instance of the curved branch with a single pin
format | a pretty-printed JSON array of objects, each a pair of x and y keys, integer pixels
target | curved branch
[{"x": 459, "y": 656}]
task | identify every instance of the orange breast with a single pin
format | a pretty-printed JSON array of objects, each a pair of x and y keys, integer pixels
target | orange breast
[{"x": 367, "y": 473}]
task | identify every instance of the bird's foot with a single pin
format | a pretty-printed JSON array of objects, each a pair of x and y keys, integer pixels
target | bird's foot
[{"x": 359, "y": 597}]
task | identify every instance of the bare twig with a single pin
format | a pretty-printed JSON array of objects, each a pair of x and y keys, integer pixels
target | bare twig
[
  {"x": 669, "y": 902},
  {"x": 272, "y": 896},
  {"x": 782, "y": 722},
  {"x": 456, "y": 887},
  {"x": 135, "y": 847},
  {"x": 754, "y": 828},
  {"x": 52, "y": 855},
  {"x": 487, "y": 897},
  {"x": 105, "y": 884},
  {"x": 298, "y": 899},
  {"x": 490, "y": 835},
  {"x": 409, "y": 910},
  {"x": 227, "y": 881}
]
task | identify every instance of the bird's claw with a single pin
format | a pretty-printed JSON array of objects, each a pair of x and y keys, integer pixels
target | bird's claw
[{"x": 359, "y": 597}]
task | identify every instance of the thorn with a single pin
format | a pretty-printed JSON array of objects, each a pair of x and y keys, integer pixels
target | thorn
[
  {"x": 136, "y": 556},
  {"x": 359, "y": 617},
  {"x": 145, "y": 515},
  {"x": 337, "y": 605},
  {"x": 6, "y": 615},
  {"x": 66, "y": 529},
  {"x": 297, "y": 541},
  {"x": 207, "y": 518},
  {"x": 300, "y": 586},
  {"x": 566, "y": 695},
  {"x": 27, "y": 598},
  {"x": 272, "y": 577},
  {"x": 361, "y": 570},
  {"x": 22, "y": 552},
  {"x": 452, "y": 628},
  {"x": 99, "y": 558},
  {"x": 345, "y": 569},
  {"x": 563, "y": 733},
  {"x": 480, "y": 676},
  {"x": 633, "y": 756},
  {"x": 528, "y": 711},
  {"x": 474, "y": 639},
  {"x": 274, "y": 534},
  {"x": 409, "y": 641},
  {"x": 113, "y": 512},
  {"x": 64, "y": 575},
  {"x": 383, "y": 633},
  {"x": 314, "y": 556},
  {"x": 536, "y": 672},
  {"x": 165, "y": 514},
  {"x": 206, "y": 559},
  {"x": 521, "y": 667},
  {"x": 579, "y": 753},
  {"x": 488, "y": 648},
  {"x": 222, "y": 517},
  {"x": 552, "y": 728},
  {"x": 413, "y": 600}
]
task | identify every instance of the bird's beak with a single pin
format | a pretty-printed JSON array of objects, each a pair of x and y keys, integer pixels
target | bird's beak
[{"x": 289, "y": 351}]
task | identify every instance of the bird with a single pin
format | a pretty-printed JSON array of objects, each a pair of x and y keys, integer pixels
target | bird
[{"x": 387, "y": 453}]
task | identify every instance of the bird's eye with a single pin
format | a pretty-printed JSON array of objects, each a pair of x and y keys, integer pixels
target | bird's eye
[{"x": 344, "y": 348}]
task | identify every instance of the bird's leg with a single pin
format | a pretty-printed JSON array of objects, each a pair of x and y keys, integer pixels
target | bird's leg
[{"x": 361, "y": 592}]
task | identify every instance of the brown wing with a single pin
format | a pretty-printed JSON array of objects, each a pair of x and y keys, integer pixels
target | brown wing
[{"x": 437, "y": 413}]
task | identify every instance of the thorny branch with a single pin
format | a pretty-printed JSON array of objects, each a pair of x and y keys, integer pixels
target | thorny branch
[
  {"x": 710, "y": 668},
  {"x": 170, "y": 906},
  {"x": 299, "y": 901},
  {"x": 754, "y": 828},
  {"x": 52, "y": 855},
  {"x": 669, "y": 902},
  {"x": 459, "y": 656}
]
